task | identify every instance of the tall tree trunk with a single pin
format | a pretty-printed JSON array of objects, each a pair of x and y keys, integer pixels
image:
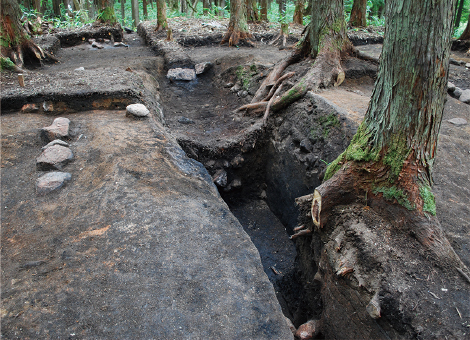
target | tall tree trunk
[
  {"x": 358, "y": 14},
  {"x": 123, "y": 11},
  {"x": 14, "y": 42},
  {"x": 162, "y": 23},
  {"x": 390, "y": 158},
  {"x": 238, "y": 25},
  {"x": 135, "y": 12},
  {"x": 263, "y": 14},
  {"x": 206, "y": 4},
  {"x": 466, "y": 34},
  {"x": 251, "y": 11},
  {"x": 106, "y": 14},
  {"x": 299, "y": 12},
  {"x": 222, "y": 10},
  {"x": 459, "y": 13},
  {"x": 144, "y": 9},
  {"x": 56, "y": 7}
]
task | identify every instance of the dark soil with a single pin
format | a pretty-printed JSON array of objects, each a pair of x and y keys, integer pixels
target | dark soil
[{"x": 200, "y": 115}]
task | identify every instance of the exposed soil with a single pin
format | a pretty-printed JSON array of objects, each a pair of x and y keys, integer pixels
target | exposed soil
[{"x": 200, "y": 115}]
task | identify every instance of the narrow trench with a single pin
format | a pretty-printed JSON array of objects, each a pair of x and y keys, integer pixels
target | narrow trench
[{"x": 245, "y": 191}]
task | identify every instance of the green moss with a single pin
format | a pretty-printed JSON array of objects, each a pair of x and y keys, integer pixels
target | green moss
[
  {"x": 429, "y": 202},
  {"x": 6, "y": 64},
  {"x": 244, "y": 77},
  {"x": 395, "y": 156},
  {"x": 393, "y": 193},
  {"x": 333, "y": 167}
]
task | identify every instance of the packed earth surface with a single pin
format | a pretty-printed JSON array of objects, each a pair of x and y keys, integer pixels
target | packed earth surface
[{"x": 177, "y": 224}]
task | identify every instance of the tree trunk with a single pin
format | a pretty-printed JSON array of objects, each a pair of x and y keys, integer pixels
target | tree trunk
[
  {"x": 238, "y": 25},
  {"x": 144, "y": 9},
  {"x": 123, "y": 11},
  {"x": 206, "y": 4},
  {"x": 162, "y": 23},
  {"x": 358, "y": 14},
  {"x": 107, "y": 14},
  {"x": 299, "y": 12},
  {"x": 390, "y": 158},
  {"x": 14, "y": 42},
  {"x": 56, "y": 7},
  {"x": 222, "y": 10},
  {"x": 251, "y": 11},
  {"x": 135, "y": 12},
  {"x": 466, "y": 34},
  {"x": 264, "y": 10},
  {"x": 459, "y": 14}
]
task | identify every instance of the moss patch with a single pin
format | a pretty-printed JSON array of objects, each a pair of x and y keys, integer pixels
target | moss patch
[
  {"x": 429, "y": 202},
  {"x": 6, "y": 64},
  {"x": 393, "y": 193}
]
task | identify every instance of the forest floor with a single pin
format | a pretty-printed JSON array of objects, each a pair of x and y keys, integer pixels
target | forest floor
[{"x": 200, "y": 116}]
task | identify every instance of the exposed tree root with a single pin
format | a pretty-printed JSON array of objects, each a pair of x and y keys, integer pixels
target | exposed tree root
[
  {"x": 233, "y": 38},
  {"x": 350, "y": 184},
  {"x": 266, "y": 113}
]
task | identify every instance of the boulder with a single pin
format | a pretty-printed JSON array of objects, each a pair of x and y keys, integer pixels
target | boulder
[
  {"x": 51, "y": 181},
  {"x": 450, "y": 87},
  {"x": 58, "y": 130},
  {"x": 55, "y": 157},
  {"x": 185, "y": 74},
  {"x": 202, "y": 67},
  {"x": 137, "y": 110},
  {"x": 465, "y": 96},
  {"x": 458, "y": 121},
  {"x": 457, "y": 92}
]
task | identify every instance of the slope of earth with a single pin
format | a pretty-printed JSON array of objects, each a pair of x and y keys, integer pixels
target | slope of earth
[{"x": 139, "y": 244}]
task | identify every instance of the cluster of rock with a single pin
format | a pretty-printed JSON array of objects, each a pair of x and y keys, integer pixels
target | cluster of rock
[
  {"x": 56, "y": 154},
  {"x": 188, "y": 74},
  {"x": 219, "y": 169},
  {"x": 458, "y": 93},
  {"x": 96, "y": 43}
]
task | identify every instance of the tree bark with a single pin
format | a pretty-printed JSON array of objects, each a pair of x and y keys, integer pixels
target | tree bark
[
  {"x": 251, "y": 11},
  {"x": 358, "y": 14},
  {"x": 459, "y": 14},
  {"x": 135, "y": 12},
  {"x": 299, "y": 12},
  {"x": 15, "y": 43},
  {"x": 206, "y": 4},
  {"x": 238, "y": 25},
  {"x": 390, "y": 158},
  {"x": 466, "y": 34},
  {"x": 263, "y": 14},
  {"x": 162, "y": 23},
  {"x": 107, "y": 14}
]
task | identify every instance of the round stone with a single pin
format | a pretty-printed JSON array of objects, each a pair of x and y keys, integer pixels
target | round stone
[{"x": 137, "y": 110}]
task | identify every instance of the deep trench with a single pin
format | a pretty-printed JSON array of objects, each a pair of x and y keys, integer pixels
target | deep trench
[{"x": 265, "y": 214}]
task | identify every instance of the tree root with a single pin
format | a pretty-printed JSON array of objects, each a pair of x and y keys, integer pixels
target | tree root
[
  {"x": 266, "y": 114},
  {"x": 348, "y": 186},
  {"x": 233, "y": 38}
]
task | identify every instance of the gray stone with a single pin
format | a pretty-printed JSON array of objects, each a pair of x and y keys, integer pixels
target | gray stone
[
  {"x": 202, "y": 67},
  {"x": 54, "y": 157},
  {"x": 467, "y": 65},
  {"x": 457, "y": 92},
  {"x": 51, "y": 181},
  {"x": 56, "y": 142},
  {"x": 81, "y": 68},
  {"x": 137, "y": 110},
  {"x": 228, "y": 85},
  {"x": 305, "y": 145},
  {"x": 458, "y": 121},
  {"x": 96, "y": 45},
  {"x": 220, "y": 178},
  {"x": 185, "y": 74},
  {"x": 236, "y": 88},
  {"x": 185, "y": 120},
  {"x": 120, "y": 44},
  {"x": 450, "y": 87},
  {"x": 58, "y": 130},
  {"x": 242, "y": 94},
  {"x": 465, "y": 96}
]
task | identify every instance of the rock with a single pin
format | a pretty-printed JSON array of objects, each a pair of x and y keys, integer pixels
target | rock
[
  {"x": 457, "y": 92},
  {"x": 305, "y": 145},
  {"x": 236, "y": 183},
  {"x": 56, "y": 142},
  {"x": 236, "y": 88},
  {"x": 96, "y": 45},
  {"x": 128, "y": 30},
  {"x": 184, "y": 120},
  {"x": 106, "y": 41},
  {"x": 58, "y": 130},
  {"x": 465, "y": 96},
  {"x": 120, "y": 44},
  {"x": 454, "y": 62},
  {"x": 51, "y": 181},
  {"x": 91, "y": 40},
  {"x": 80, "y": 69},
  {"x": 237, "y": 161},
  {"x": 306, "y": 331},
  {"x": 242, "y": 94},
  {"x": 450, "y": 87},
  {"x": 29, "y": 108},
  {"x": 467, "y": 65},
  {"x": 54, "y": 157},
  {"x": 220, "y": 178},
  {"x": 202, "y": 67},
  {"x": 228, "y": 85},
  {"x": 457, "y": 121},
  {"x": 137, "y": 110},
  {"x": 186, "y": 74},
  {"x": 48, "y": 106}
]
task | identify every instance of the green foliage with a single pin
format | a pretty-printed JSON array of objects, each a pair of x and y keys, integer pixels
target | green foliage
[
  {"x": 393, "y": 193},
  {"x": 6, "y": 64},
  {"x": 328, "y": 122},
  {"x": 429, "y": 202}
]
